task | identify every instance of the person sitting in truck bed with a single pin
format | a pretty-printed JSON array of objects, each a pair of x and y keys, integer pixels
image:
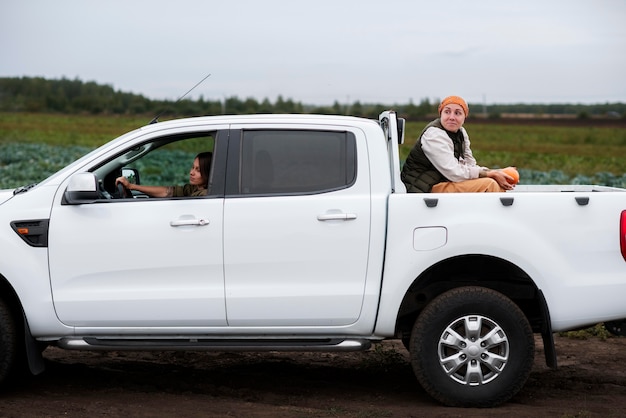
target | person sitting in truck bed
[
  {"x": 442, "y": 161},
  {"x": 197, "y": 186}
]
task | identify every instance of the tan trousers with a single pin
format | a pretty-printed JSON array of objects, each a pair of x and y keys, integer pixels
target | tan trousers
[{"x": 468, "y": 186}]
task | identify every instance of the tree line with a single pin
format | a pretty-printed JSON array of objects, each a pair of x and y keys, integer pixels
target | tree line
[{"x": 37, "y": 94}]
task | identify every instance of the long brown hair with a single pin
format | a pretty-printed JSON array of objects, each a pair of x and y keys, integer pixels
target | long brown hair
[{"x": 204, "y": 160}]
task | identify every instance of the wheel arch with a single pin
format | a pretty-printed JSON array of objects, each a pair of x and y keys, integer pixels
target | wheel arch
[{"x": 479, "y": 270}]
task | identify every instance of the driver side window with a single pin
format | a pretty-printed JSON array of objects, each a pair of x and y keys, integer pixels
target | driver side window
[
  {"x": 166, "y": 164},
  {"x": 170, "y": 164}
]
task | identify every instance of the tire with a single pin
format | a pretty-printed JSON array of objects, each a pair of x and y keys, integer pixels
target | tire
[
  {"x": 616, "y": 327},
  {"x": 8, "y": 342},
  {"x": 475, "y": 330}
]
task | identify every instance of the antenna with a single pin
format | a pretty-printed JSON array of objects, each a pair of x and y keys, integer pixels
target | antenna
[{"x": 156, "y": 118}]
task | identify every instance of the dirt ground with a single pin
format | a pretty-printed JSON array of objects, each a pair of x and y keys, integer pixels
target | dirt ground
[{"x": 590, "y": 382}]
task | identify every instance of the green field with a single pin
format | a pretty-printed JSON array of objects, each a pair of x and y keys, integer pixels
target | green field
[{"x": 33, "y": 146}]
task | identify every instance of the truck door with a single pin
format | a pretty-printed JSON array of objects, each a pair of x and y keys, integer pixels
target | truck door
[
  {"x": 296, "y": 227},
  {"x": 142, "y": 261}
]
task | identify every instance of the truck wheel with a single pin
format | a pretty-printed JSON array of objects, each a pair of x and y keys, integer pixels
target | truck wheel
[
  {"x": 472, "y": 347},
  {"x": 8, "y": 342}
]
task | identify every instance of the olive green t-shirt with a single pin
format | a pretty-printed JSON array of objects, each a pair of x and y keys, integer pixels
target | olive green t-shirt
[{"x": 187, "y": 190}]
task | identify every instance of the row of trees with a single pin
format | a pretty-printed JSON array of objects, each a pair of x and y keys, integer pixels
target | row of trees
[{"x": 36, "y": 94}]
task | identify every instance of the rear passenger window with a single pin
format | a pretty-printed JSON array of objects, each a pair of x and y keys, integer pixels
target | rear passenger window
[{"x": 292, "y": 162}]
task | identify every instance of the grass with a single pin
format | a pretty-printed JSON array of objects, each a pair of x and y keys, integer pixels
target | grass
[
  {"x": 65, "y": 130},
  {"x": 34, "y": 145},
  {"x": 597, "y": 330}
]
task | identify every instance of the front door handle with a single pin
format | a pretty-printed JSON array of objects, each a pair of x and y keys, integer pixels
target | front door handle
[
  {"x": 189, "y": 222},
  {"x": 336, "y": 217}
]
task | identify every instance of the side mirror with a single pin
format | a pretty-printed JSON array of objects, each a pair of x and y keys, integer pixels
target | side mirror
[
  {"x": 82, "y": 188},
  {"x": 132, "y": 174}
]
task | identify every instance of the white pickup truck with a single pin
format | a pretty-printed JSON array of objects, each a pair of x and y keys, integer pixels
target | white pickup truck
[{"x": 307, "y": 240}]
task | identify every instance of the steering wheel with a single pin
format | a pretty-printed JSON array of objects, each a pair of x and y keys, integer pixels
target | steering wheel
[{"x": 122, "y": 192}]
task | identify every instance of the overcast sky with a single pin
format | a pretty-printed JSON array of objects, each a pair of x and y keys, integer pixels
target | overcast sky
[{"x": 319, "y": 51}]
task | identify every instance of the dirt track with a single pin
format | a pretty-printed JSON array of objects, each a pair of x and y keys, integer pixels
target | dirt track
[{"x": 590, "y": 382}]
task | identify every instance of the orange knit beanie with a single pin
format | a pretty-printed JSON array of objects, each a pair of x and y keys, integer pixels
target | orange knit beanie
[{"x": 454, "y": 100}]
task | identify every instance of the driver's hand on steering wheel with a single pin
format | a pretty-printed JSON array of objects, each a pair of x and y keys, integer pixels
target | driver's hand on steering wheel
[{"x": 123, "y": 181}]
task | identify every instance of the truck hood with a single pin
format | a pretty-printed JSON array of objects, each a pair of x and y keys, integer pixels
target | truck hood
[{"x": 5, "y": 195}]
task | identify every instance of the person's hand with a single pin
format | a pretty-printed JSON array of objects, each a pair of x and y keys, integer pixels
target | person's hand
[
  {"x": 502, "y": 178},
  {"x": 123, "y": 181}
]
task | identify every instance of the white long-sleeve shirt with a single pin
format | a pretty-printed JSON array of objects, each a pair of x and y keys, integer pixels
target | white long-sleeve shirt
[{"x": 439, "y": 149}]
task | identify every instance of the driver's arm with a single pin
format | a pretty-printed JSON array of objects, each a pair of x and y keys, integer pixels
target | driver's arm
[{"x": 152, "y": 191}]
